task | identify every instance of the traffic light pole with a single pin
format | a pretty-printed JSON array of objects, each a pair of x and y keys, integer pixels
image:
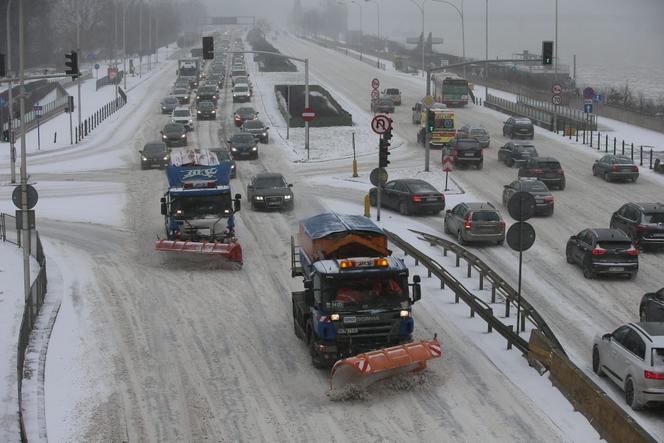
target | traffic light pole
[
  {"x": 427, "y": 150},
  {"x": 379, "y": 186},
  {"x": 25, "y": 226},
  {"x": 12, "y": 145}
]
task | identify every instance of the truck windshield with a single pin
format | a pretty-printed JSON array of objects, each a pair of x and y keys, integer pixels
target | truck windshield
[
  {"x": 383, "y": 291},
  {"x": 190, "y": 206},
  {"x": 455, "y": 87}
]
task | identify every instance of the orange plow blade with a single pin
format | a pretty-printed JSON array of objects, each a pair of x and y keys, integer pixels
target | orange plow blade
[
  {"x": 229, "y": 251},
  {"x": 365, "y": 369}
]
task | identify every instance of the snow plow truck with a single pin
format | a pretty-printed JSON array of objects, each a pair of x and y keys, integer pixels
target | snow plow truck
[
  {"x": 198, "y": 209},
  {"x": 355, "y": 311}
]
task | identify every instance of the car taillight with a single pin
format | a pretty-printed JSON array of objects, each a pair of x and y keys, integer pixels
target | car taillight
[
  {"x": 635, "y": 168},
  {"x": 653, "y": 375},
  {"x": 441, "y": 197},
  {"x": 633, "y": 251},
  {"x": 502, "y": 224},
  {"x": 641, "y": 229},
  {"x": 560, "y": 172},
  {"x": 455, "y": 153},
  {"x": 599, "y": 251},
  {"x": 468, "y": 225},
  {"x": 417, "y": 198},
  {"x": 548, "y": 198},
  {"x": 537, "y": 170}
]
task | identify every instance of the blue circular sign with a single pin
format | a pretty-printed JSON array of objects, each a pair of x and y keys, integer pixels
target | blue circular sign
[{"x": 96, "y": 65}]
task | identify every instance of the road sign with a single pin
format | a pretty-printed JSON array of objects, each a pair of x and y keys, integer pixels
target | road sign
[
  {"x": 32, "y": 196},
  {"x": 381, "y": 123},
  {"x": 378, "y": 174},
  {"x": 588, "y": 108},
  {"x": 96, "y": 65},
  {"x": 38, "y": 109},
  {"x": 598, "y": 98},
  {"x": 3, "y": 103},
  {"x": 444, "y": 62},
  {"x": 427, "y": 101},
  {"x": 521, "y": 206},
  {"x": 520, "y": 236},
  {"x": 112, "y": 73},
  {"x": 556, "y": 99},
  {"x": 556, "y": 89},
  {"x": 308, "y": 114},
  {"x": 588, "y": 92},
  {"x": 375, "y": 94},
  {"x": 375, "y": 83},
  {"x": 448, "y": 163}
]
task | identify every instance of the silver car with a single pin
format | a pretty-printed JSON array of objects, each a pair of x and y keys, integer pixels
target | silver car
[
  {"x": 394, "y": 94},
  {"x": 475, "y": 222},
  {"x": 632, "y": 356},
  {"x": 477, "y": 132}
]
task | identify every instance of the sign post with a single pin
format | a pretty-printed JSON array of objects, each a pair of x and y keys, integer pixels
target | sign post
[
  {"x": 556, "y": 99},
  {"x": 448, "y": 162},
  {"x": 375, "y": 94},
  {"x": 380, "y": 124},
  {"x": 37, "y": 108},
  {"x": 97, "y": 71}
]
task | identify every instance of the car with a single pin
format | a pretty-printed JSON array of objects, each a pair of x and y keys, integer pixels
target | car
[
  {"x": 155, "y": 154},
  {"x": 241, "y": 93},
  {"x": 475, "y": 222},
  {"x": 394, "y": 94},
  {"x": 182, "y": 95},
  {"x": 174, "y": 134},
  {"x": 168, "y": 104},
  {"x": 269, "y": 190},
  {"x": 238, "y": 71},
  {"x": 182, "y": 83},
  {"x": 243, "y": 114},
  {"x": 244, "y": 81},
  {"x": 545, "y": 169},
  {"x": 223, "y": 155},
  {"x": 465, "y": 152},
  {"x": 603, "y": 251},
  {"x": 475, "y": 131},
  {"x": 632, "y": 356},
  {"x": 206, "y": 93},
  {"x": 182, "y": 115},
  {"x": 243, "y": 145},
  {"x": 544, "y": 203},
  {"x": 409, "y": 196},
  {"x": 257, "y": 128},
  {"x": 383, "y": 105},
  {"x": 615, "y": 167},
  {"x": 642, "y": 222},
  {"x": 206, "y": 111},
  {"x": 515, "y": 127},
  {"x": 218, "y": 80},
  {"x": 652, "y": 306},
  {"x": 210, "y": 84},
  {"x": 516, "y": 153}
]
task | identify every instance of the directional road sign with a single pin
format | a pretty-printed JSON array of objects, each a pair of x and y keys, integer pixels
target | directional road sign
[
  {"x": 308, "y": 114},
  {"x": 96, "y": 65},
  {"x": 32, "y": 196},
  {"x": 378, "y": 174},
  {"x": 381, "y": 123},
  {"x": 588, "y": 108}
]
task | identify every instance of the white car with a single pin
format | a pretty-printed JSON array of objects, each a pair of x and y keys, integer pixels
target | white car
[
  {"x": 182, "y": 115},
  {"x": 241, "y": 93}
]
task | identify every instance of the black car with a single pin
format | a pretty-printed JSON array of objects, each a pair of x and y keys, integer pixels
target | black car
[
  {"x": 174, "y": 134},
  {"x": 223, "y": 155},
  {"x": 269, "y": 190},
  {"x": 465, "y": 152},
  {"x": 409, "y": 196},
  {"x": 256, "y": 128},
  {"x": 244, "y": 114},
  {"x": 182, "y": 95},
  {"x": 243, "y": 145},
  {"x": 543, "y": 198},
  {"x": 642, "y": 222},
  {"x": 155, "y": 154},
  {"x": 615, "y": 167},
  {"x": 652, "y": 306},
  {"x": 168, "y": 104},
  {"x": 206, "y": 93},
  {"x": 515, "y": 127},
  {"x": 603, "y": 251},
  {"x": 545, "y": 169},
  {"x": 515, "y": 153},
  {"x": 206, "y": 111}
]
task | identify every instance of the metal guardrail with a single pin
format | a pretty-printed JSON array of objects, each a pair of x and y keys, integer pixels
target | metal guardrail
[
  {"x": 104, "y": 81},
  {"x": 48, "y": 110},
  {"x": 540, "y": 118},
  {"x": 566, "y": 115},
  {"x": 370, "y": 60}
]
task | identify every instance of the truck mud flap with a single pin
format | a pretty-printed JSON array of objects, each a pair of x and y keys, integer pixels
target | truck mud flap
[
  {"x": 227, "y": 251},
  {"x": 365, "y": 369}
]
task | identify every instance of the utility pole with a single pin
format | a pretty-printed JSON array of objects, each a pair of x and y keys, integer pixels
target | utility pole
[
  {"x": 555, "y": 69},
  {"x": 25, "y": 227},
  {"x": 78, "y": 51},
  {"x": 150, "y": 40},
  {"x": 124, "y": 45},
  {"x": 12, "y": 146},
  {"x": 306, "y": 104},
  {"x": 486, "y": 53},
  {"x": 140, "y": 40},
  {"x": 156, "y": 38}
]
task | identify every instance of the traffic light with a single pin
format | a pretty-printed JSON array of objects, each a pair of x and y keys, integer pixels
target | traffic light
[
  {"x": 2, "y": 66},
  {"x": 5, "y": 136},
  {"x": 208, "y": 48},
  {"x": 72, "y": 64},
  {"x": 383, "y": 149},
  {"x": 431, "y": 120},
  {"x": 547, "y": 52}
]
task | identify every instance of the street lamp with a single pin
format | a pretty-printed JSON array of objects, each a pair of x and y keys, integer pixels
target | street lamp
[
  {"x": 463, "y": 33},
  {"x": 361, "y": 32},
  {"x": 420, "y": 6},
  {"x": 12, "y": 147},
  {"x": 380, "y": 46}
]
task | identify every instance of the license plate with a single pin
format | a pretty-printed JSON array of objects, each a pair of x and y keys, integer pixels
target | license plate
[
  {"x": 615, "y": 269},
  {"x": 432, "y": 199},
  {"x": 469, "y": 154},
  {"x": 350, "y": 319},
  {"x": 348, "y": 331}
]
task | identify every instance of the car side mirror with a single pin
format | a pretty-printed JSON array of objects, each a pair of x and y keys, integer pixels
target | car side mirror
[
  {"x": 413, "y": 108},
  {"x": 290, "y": 185},
  {"x": 574, "y": 237},
  {"x": 140, "y": 152},
  {"x": 161, "y": 132},
  {"x": 417, "y": 290},
  {"x": 163, "y": 208},
  {"x": 237, "y": 203},
  {"x": 506, "y": 186},
  {"x": 250, "y": 186},
  {"x": 449, "y": 211},
  {"x": 607, "y": 336},
  {"x": 267, "y": 128}
]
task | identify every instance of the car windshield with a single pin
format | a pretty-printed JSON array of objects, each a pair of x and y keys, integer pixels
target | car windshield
[
  {"x": 392, "y": 91},
  {"x": 181, "y": 92},
  {"x": 269, "y": 182},
  {"x": 527, "y": 150},
  {"x": 417, "y": 187},
  {"x": 623, "y": 160},
  {"x": 533, "y": 186},
  {"x": 613, "y": 244},
  {"x": 365, "y": 293},
  {"x": 207, "y": 91},
  {"x": 173, "y": 128},
  {"x": 548, "y": 165},
  {"x": 181, "y": 113},
  {"x": 478, "y": 131},
  {"x": 242, "y": 138},
  {"x": 254, "y": 124},
  {"x": 213, "y": 206},
  {"x": 154, "y": 148},
  {"x": 239, "y": 88},
  {"x": 206, "y": 105},
  {"x": 170, "y": 100},
  {"x": 523, "y": 122},
  {"x": 490, "y": 216},
  {"x": 653, "y": 217}
]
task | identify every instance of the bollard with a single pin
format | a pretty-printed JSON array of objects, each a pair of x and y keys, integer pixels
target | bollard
[
  {"x": 507, "y": 307},
  {"x": 55, "y": 137},
  {"x": 650, "y": 158},
  {"x": 469, "y": 269},
  {"x": 509, "y": 343},
  {"x": 632, "y": 154},
  {"x": 584, "y": 135},
  {"x": 591, "y": 138},
  {"x": 493, "y": 292},
  {"x": 456, "y": 298},
  {"x": 76, "y": 134},
  {"x": 614, "y": 146},
  {"x": 481, "y": 281},
  {"x": 523, "y": 321},
  {"x": 489, "y": 328},
  {"x": 599, "y": 139},
  {"x": 457, "y": 260},
  {"x": 576, "y": 130},
  {"x": 355, "y": 168},
  {"x": 623, "y": 147},
  {"x": 367, "y": 206},
  {"x": 606, "y": 143},
  {"x": 641, "y": 155},
  {"x": 472, "y": 313}
]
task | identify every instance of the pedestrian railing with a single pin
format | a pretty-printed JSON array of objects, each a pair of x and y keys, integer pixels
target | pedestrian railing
[
  {"x": 90, "y": 123},
  {"x": 48, "y": 111}
]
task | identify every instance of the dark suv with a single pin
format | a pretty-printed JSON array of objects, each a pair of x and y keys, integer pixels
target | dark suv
[
  {"x": 544, "y": 169},
  {"x": 475, "y": 222},
  {"x": 518, "y": 127},
  {"x": 207, "y": 94},
  {"x": 642, "y": 222},
  {"x": 465, "y": 152},
  {"x": 603, "y": 251},
  {"x": 652, "y": 306}
]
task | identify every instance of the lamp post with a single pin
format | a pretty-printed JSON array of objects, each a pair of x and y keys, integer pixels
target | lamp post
[
  {"x": 361, "y": 31},
  {"x": 420, "y": 6},
  {"x": 555, "y": 69},
  {"x": 80, "y": 56},
  {"x": 25, "y": 227},
  {"x": 12, "y": 147},
  {"x": 380, "y": 46},
  {"x": 486, "y": 53},
  {"x": 463, "y": 32}
]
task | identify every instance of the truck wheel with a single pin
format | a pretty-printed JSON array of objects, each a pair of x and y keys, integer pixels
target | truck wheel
[{"x": 316, "y": 360}]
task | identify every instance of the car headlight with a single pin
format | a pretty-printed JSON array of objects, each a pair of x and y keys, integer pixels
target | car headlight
[
  {"x": 166, "y": 158},
  {"x": 404, "y": 313},
  {"x": 163, "y": 107},
  {"x": 198, "y": 96},
  {"x": 258, "y": 198},
  {"x": 254, "y": 148},
  {"x": 287, "y": 197},
  {"x": 214, "y": 112},
  {"x": 335, "y": 317},
  {"x": 233, "y": 149},
  {"x": 186, "y": 97},
  {"x": 144, "y": 159},
  {"x": 214, "y": 96},
  {"x": 164, "y": 137},
  {"x": 232, "y": 167},
  {"x": 265, "y": 134},
  {"x": 199, "y": 112},
  {"x": 183, "y": 135}
]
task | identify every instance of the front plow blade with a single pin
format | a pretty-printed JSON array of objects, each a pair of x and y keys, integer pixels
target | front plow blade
[
  {"x": 229, "y": 251},
  {"x": 365, "y": 369}
]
